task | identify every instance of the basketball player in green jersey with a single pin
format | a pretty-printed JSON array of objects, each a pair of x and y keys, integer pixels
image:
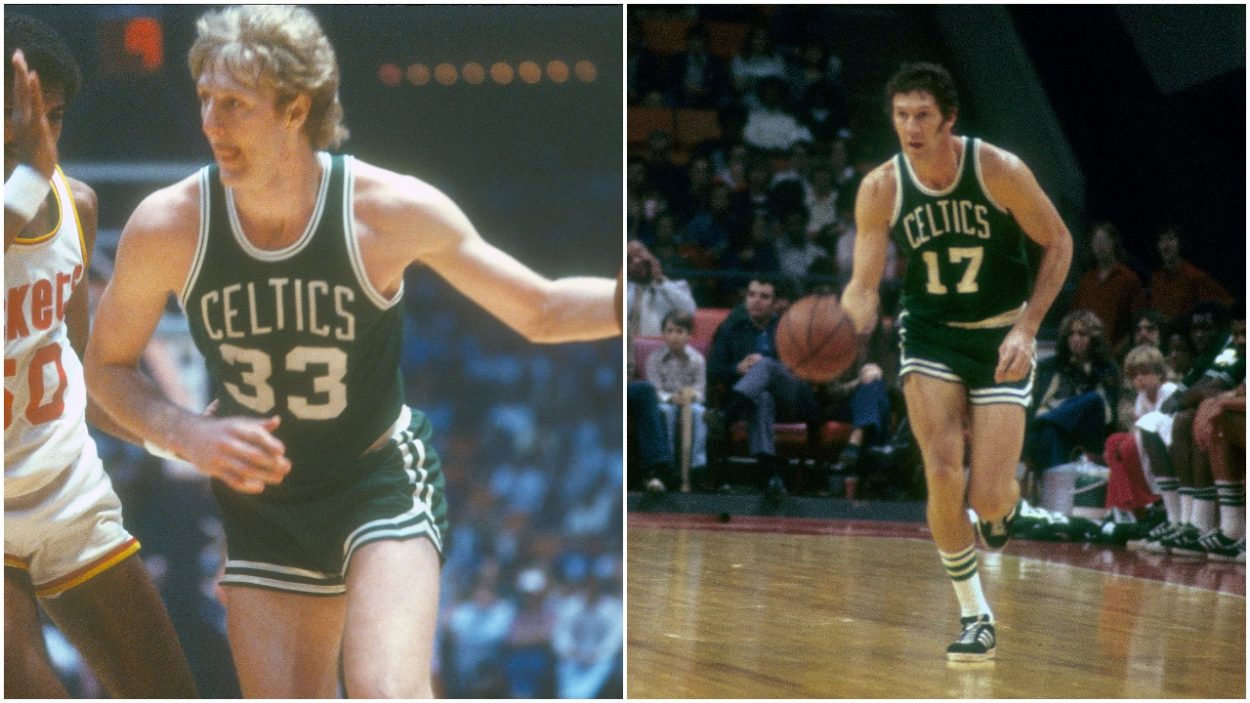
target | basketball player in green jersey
[
  {"x": 289, "y": 264},
  {"x": 960, "y": 209}
]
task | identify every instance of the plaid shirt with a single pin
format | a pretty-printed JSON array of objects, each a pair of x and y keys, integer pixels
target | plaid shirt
[{"x": 670, "y": 372}]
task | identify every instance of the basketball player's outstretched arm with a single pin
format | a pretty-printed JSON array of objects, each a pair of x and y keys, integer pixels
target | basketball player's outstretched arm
[
  {"x": 409, "y": 221},
  {"x": 1011, "y": 183},
  {"x": 153, "y": 258},
  {"x": 873, "y": 207},
  {"x": 33, "y": 141}
]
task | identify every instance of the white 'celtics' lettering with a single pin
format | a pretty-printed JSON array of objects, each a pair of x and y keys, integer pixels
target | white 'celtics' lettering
[
  {"x": 255, "y": 309},
  {"x": 932, "y": 220}
]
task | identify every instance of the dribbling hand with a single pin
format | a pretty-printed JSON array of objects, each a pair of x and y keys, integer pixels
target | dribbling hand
[
  {"x": 241, "y": 452},
  {"x": 1015, "y": 357}
]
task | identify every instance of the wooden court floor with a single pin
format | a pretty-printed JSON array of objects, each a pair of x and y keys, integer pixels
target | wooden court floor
[{"x": 723, "y": 610}]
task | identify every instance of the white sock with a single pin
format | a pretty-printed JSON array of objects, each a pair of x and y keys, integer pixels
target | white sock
[
  {"x": 1165, "y": 487},
  {"x": 1203, "y": 515},
  {"x": 1232, "y": 497},
  {"x": 1187, "y": 506},
  {"x": 961, "y": 566}
]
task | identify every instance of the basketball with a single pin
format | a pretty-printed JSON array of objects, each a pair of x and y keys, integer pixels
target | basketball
[{"x": 816, "y": 339}]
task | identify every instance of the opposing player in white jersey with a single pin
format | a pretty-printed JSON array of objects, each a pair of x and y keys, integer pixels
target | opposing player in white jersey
[{"x": 65, "y": 548}]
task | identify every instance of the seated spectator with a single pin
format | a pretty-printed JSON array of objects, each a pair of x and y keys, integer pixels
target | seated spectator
[
  {"x": 644, "y": 69},
  {"x": 822, "y": 199},
  {"x": 1177, "y": 285},
  {"x": 479, "y": 627},
  {"x": 743, "y": 360},
  {"x": 587, "y": 640},
  {"x": 679, "y": 373},
  {"x": 711, "y": 228},
  {"x": 1109, "y": 289},
  {"x": 1077, "y": 394},
  {"x": 758, "y": 61},
  {"x": 699, "y": 79},
  {"x": 530, "y": 661},
  {"x": 1127, "y": 487},
  {"x": 1146, "y": 329},
  {"x": 649, "y": 448},
  {"x": 770, "y": 126},
  {"x": 758, "y": 254},
  {"x": 1180, "y": 354},
  {"x": 796, "y": 249},
  {"x": 650, "y": 294}
]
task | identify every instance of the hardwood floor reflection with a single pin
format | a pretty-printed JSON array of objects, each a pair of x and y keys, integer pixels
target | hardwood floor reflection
[{"x": 730, "y": 614}]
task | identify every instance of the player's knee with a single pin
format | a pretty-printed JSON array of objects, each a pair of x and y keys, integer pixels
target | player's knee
[
  {"x": 991, "y": 502},
  {"x": 375, "y": 682}
]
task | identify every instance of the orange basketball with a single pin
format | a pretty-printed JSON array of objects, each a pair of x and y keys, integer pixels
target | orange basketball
[
  {"x": 816, "y": 339},
  {"x": 618, "y": 299}
]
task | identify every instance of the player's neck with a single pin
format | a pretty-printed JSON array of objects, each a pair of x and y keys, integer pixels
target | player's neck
[
  {"x": 939, "y": 167},
  {"x": 274, "y": 213}
]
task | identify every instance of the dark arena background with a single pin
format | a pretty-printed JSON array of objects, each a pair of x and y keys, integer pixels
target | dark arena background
[
  {"x": 744, "y": 160},
  {"x": 515, "y": 113}
]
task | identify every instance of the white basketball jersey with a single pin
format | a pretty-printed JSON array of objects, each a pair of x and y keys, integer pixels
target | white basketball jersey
[{"x": 45, "y": 398}]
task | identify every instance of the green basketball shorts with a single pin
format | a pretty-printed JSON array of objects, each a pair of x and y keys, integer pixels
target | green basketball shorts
[
  {"x": 964, "y": 356},
  {"x": 304, "y": 543}
]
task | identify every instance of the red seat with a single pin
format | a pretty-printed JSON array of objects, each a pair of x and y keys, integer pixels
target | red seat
[
  {"x": 665, "y": 35},
  {"x": 691, "y": 127},
  {"x": 725, "y": 39},
  {"x": 642, "y": 120},
  {"x": 643, "y": 347},
  {"x": 706, "y": 320}
]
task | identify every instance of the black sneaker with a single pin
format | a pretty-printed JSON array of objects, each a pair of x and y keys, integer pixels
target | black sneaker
[
  {"x": 1183, "y": 542},
  {"x": 977, "y": 641},
  {"x": 1158, "y": 533},
  {"x": 995, "y": 534},
  {"x": 1221, "y": 547}
]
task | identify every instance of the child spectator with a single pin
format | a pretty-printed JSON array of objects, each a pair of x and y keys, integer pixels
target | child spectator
[
  {"x": 679, "y": 374},
  {"x": 1127, "y": 488}
]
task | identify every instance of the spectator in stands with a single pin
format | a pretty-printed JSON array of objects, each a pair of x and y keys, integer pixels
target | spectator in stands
[
  {"x": 644, "y": 78},
  {"x": 1077, "y": 393},
  {"x": 1109, "y": 289},
  {"x": 530, "y": 660},
  {"x": 1180, "y": 354},
  {"x": 796, "y": 249},
  {"x": 758, "y": 253},
  {"x": 663, "y": 173},
  {"x": 1177, "y": 285},
  {"x": 822, "y": 197},
  {"x": 711, "y": 228},
  {"x": 679, "y": 374},
  {"x": 1145, "y": 327},
  {"x": 743, "y": 360},
  {"x": 479, "y": 627},
  {"x": 650, "y": 295},
  {"x": 699, "y": 78},
  {"x": 587, "y": 640},
  {"x": 770, "y": 125},
  {"x": 1127, "y": 487},
  {"x": 758, "y": 60}
]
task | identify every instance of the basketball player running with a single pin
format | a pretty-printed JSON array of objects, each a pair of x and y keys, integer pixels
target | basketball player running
[
  {"x": 65, "y": 548},
  {"x": 960, "y": 209},
  {"x": 289, "y": 263}
]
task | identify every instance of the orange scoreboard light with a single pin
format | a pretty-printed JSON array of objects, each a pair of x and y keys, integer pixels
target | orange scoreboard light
[{"x": 134, "y": 45}]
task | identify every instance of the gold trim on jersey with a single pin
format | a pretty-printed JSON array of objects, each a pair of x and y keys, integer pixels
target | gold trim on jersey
[
  {"x": 1000, "y": 320},
  {"x": 60, "y": 216}
]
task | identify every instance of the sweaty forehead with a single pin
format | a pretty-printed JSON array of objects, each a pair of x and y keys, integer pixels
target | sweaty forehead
[{"x": 222, "y": 73}]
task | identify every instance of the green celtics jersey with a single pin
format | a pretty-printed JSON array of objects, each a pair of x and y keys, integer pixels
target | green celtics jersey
[
  {"x": 965, "y": 254},
  {"x": 298, "y": 332}
]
